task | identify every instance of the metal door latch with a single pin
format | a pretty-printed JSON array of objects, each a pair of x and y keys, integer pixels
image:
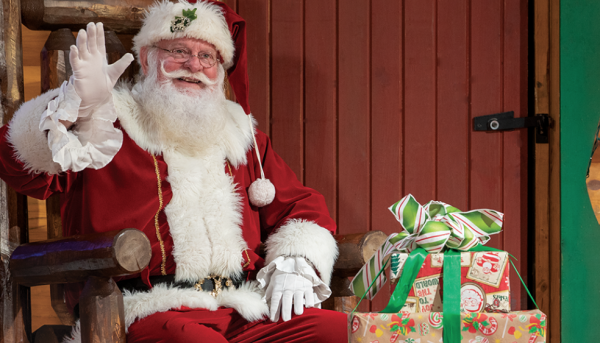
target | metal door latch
[{"x": 506, "y": 121}]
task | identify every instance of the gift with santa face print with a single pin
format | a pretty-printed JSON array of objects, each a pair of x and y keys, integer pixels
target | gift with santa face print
[
  {"x": 485, "y": 285},
  {"x": 437, "y": 228},
  {"x": 449, "y": 286}
]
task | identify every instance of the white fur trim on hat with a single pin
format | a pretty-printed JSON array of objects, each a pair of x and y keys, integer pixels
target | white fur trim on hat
[{"x": 210, "y": 26}]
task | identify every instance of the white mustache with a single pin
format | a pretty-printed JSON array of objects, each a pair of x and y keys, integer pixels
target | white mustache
[{"x": 183, "y": 73}]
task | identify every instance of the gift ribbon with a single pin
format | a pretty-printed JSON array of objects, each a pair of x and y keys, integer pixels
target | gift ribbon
[
  {"x": 451, "y": 306},
  {"x": 431, "y": 227},
  {"x": 451, "y": 302}
]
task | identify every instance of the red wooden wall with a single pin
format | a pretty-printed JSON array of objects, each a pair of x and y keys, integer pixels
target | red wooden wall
[{"x": 370, "y": 100}]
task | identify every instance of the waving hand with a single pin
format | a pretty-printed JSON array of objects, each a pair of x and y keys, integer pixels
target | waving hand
[{"x": 93, "y": 78}]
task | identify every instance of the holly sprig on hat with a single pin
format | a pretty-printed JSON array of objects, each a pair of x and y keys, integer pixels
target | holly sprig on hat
[{"x": 180, "y": 23}]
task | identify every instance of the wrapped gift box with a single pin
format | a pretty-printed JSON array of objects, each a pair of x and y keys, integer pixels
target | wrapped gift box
[
  {"x": 513, "y": 327},
  {"x": 485, "y": 284}
]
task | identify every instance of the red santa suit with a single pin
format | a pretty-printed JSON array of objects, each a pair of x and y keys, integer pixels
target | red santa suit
[{"x": 195, "y": 210}]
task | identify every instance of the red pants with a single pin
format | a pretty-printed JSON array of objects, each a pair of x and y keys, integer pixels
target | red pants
[{"x": 226, "y": 325}]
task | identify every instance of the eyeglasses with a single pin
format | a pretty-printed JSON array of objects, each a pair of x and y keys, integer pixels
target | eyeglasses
[{"x": 181, "y": 55}]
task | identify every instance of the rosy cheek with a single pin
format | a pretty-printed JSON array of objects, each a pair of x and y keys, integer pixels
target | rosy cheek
[
  {"x": 169, "y": 67},
  {"x": 211, "y": 72}
]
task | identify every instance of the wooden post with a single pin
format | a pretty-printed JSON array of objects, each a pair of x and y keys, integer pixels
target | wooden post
[
  {"x": 542, "y": 158},
  {"x": 547, "y": 165},
  {"x": 102, "y": 313},
  {"x": 14, "y": 313},
  {"x": 55, "y": 69},
  {"x": 13, "y": 328},
  {"x": 555, "y": 314},
  {"x": 54, "y": 60}
]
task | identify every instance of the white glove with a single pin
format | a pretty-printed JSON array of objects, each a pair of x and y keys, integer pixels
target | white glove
[
  {"x": 93, "y": 78},
  {"x": 291, "y": 281}
]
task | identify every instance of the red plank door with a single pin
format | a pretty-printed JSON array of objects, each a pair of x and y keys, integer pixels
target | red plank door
[{"x": 369, "y": 100}]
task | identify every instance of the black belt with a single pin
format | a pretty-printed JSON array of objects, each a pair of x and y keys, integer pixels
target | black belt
[{"x": 213, "y": 284}]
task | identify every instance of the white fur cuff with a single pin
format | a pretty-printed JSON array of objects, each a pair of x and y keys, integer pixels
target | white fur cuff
[
  {"x": 31, "y": 144},
  {"x": 307, "y": 239},
  {"x": 94, "y": 141}
]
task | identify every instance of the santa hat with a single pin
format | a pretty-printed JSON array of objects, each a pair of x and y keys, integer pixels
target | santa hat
[{"x": 215, "y": 23}]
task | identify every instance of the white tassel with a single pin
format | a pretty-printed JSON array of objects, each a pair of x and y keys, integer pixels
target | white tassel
[{"x": 261, "y": 192}]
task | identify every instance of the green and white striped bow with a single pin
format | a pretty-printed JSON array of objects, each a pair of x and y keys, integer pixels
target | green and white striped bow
[{"x": 432, "y": 227}]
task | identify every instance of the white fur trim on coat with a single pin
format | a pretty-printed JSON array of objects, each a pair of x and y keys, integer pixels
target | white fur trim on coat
[
  {"x": 246, "y": 300},
  {"x": 210, "y": 26},
  {"x": 304, "y": 238},
  {"x": 31, "y": 144},
  {"x": 205, "y": 208}
]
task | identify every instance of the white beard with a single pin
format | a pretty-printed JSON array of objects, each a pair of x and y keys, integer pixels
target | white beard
[{"x": 188, "y": 122}]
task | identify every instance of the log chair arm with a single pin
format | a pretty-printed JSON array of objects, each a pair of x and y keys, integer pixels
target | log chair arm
[
  {"x": 355, "y": 250},
  {"x": 95, "y": 259}
]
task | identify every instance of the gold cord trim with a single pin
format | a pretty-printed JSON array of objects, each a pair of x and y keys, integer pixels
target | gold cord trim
[
  {"x": 156, "y": 226},
  {"x": 248, "y": 260},
  {"x": 245, "y": 250},
  {"x": 229, "y": 166}
]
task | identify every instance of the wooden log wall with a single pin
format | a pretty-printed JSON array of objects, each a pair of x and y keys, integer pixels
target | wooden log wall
[{"x": 369, "y": 100}]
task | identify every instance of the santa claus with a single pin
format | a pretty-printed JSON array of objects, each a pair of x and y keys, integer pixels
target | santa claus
[{"x": 170, "y": 156}]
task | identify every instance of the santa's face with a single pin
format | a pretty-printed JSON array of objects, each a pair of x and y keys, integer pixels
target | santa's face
[
  {"x": 487, "y": 267},
  {"x": 471, "y": 301},
  {"x": 187, "y": 82}
]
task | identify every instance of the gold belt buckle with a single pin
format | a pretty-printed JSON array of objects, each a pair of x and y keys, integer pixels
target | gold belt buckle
[{"x": 218, "y": 284}]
